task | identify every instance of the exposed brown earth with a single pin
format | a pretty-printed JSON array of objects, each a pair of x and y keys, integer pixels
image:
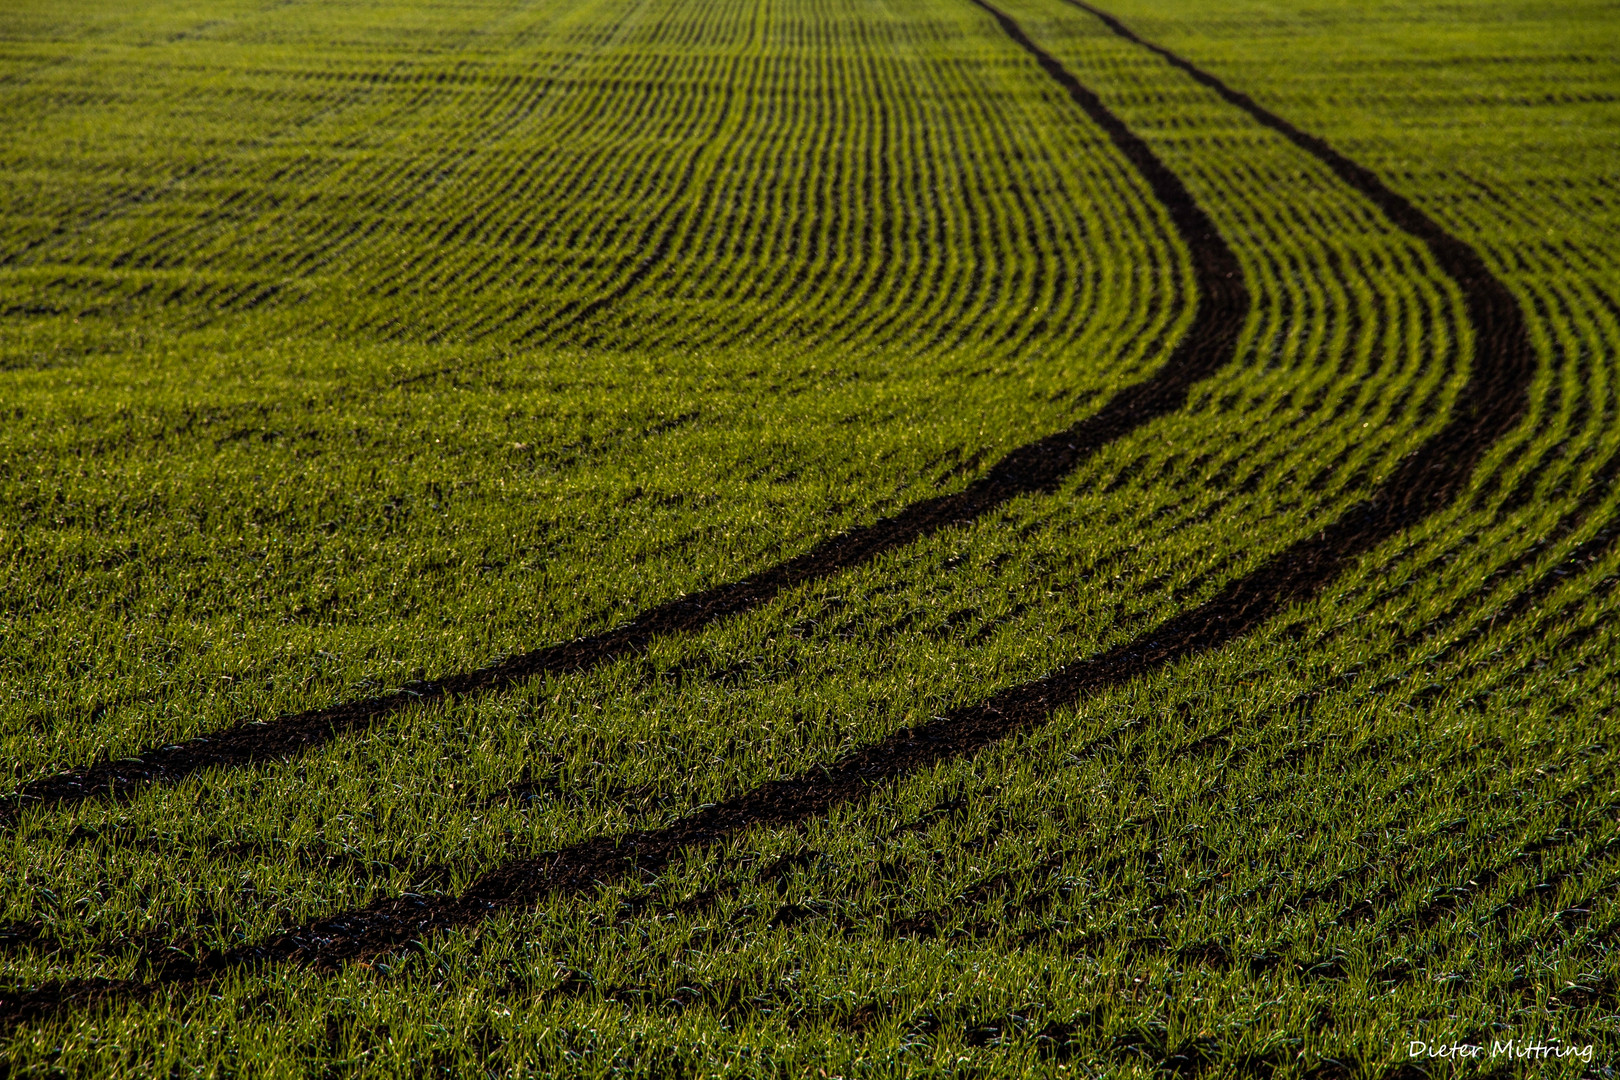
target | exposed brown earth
[
  {"x": 1488, "y": 406},
  {"x": 1222, "y": 303}
]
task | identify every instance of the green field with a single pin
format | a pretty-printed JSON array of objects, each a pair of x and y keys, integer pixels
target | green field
[{"x": 809, "y": 537}]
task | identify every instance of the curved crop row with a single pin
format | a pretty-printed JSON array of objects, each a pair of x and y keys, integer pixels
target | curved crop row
[
  {"x": 1417, "y": 488},
  {"x": 1284, "y": 761}
]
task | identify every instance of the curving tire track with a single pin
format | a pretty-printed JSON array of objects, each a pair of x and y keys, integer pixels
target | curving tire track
[
  {"x": 1040, "y": 466},
  {"x": 1488, "y": 407}
]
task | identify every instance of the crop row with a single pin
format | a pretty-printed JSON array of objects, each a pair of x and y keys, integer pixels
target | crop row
[{"x": 1371, "y": 334}]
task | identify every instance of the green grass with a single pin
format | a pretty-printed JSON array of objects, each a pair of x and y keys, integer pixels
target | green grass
[{"x": 310, "y": 390}]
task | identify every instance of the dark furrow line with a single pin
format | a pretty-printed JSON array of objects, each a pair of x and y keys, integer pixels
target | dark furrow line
[
  {"x": 29, "y": 936},
  {"x": 931, "y": 921},
  {"x": 1040, "y": 466},
  {"x": 1488, "y": 407},
  {"x": 1599, "y": 484}
]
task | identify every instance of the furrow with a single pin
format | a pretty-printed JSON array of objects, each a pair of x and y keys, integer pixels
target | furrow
[
  {"x": 1033, "y": 468},
  {"x": 1488, "y": 407}
]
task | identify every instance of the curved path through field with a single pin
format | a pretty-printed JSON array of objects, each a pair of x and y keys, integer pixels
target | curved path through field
[
  {"x": 1222, "y": 302},
  {"x": 1487, "y": 408}
]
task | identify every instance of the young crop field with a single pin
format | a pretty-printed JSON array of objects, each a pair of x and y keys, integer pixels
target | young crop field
[{"x": 810, "y": 538}]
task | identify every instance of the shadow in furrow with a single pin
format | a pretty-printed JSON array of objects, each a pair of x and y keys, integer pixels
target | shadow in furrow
[
  {"x": 1487, "y": 408},
  {"x": 1221, "y": 306}
]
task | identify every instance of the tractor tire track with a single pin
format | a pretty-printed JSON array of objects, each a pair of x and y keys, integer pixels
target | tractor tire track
[
  {"x": 1487, "y": 409},
  {"x": 1222, "y": 304}
]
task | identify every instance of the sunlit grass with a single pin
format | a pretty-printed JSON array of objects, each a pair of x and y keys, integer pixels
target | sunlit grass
[{"x": 351, "y": 347}]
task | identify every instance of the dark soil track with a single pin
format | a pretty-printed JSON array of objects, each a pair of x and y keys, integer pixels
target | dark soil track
[
  {"x": 1488, "y": 406},
  {"x": 1222, "y": 304}
]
